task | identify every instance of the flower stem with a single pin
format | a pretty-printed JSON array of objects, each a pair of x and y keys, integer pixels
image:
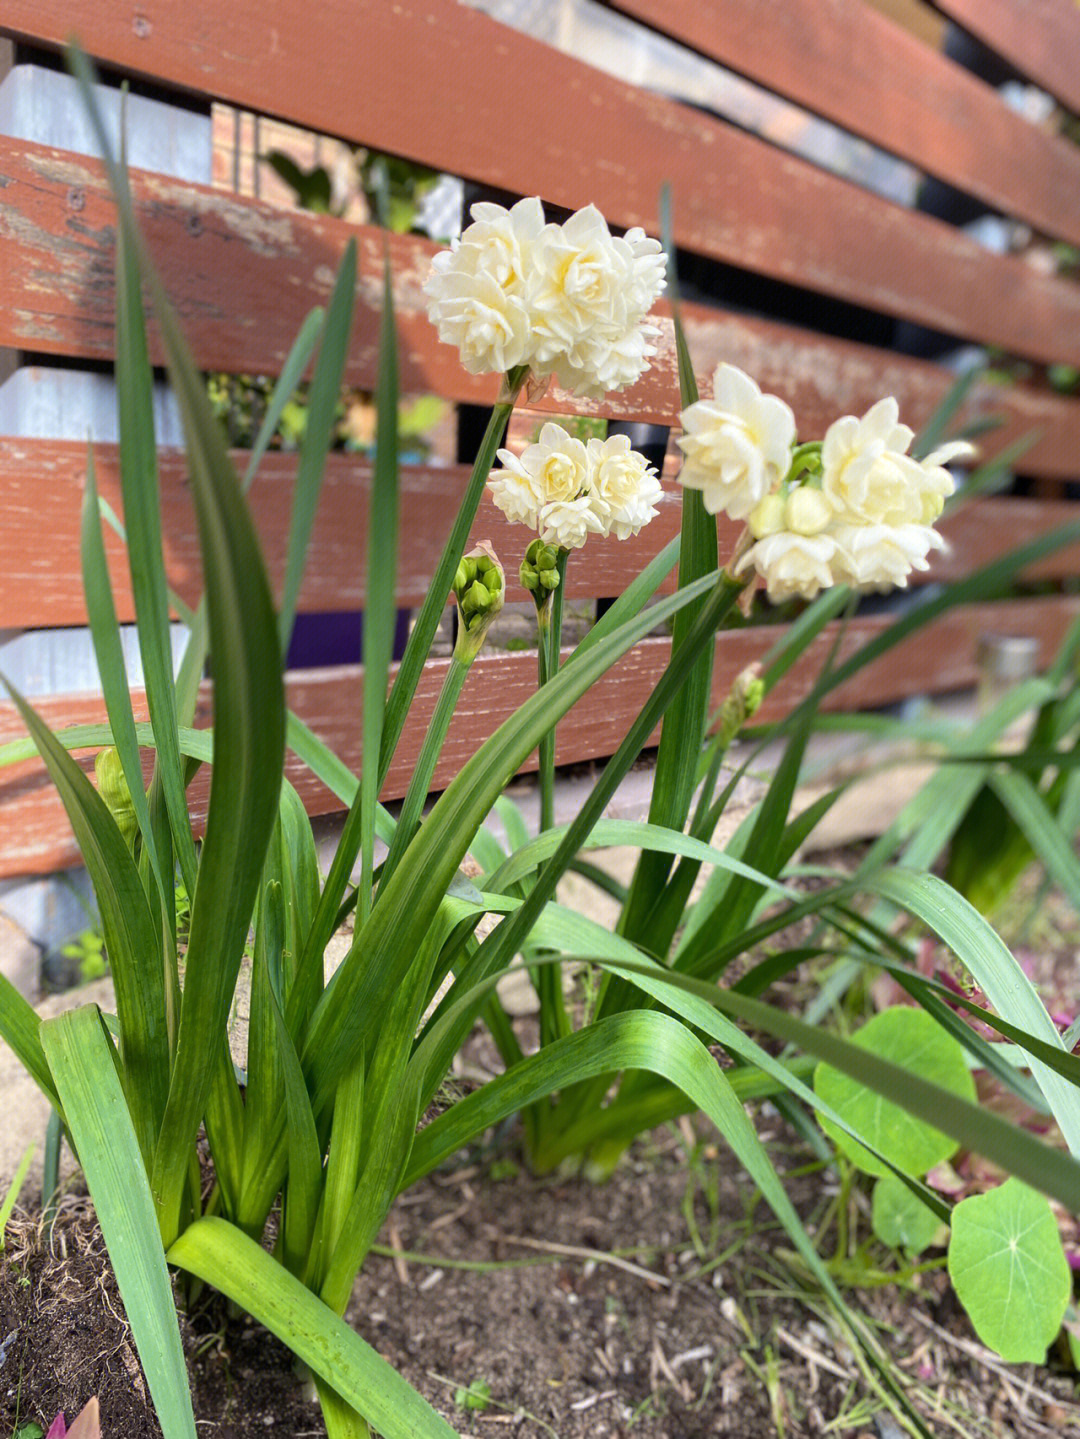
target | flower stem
[
  {"x": 549, "y": 625},
  {"x": 427, "y": 621},
  {"x": 554, "y": 1020},
  {"x": 420, "y": 783}
]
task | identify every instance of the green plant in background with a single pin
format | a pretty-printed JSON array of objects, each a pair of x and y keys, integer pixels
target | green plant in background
[
  {"x": 1005, "y": 1254},
  {"x": 87, "y": 952},
  {"x": 323, "y": 1128}
]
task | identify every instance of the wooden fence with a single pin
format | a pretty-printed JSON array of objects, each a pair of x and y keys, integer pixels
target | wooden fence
[{"x": 445, "y": 84}]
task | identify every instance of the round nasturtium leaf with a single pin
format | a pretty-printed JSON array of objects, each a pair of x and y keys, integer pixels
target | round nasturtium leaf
[
  {"x": 1008, "y": 1267},
  {"x": 900, "y": 1219},
  {"x": 912, "y": 1039}
]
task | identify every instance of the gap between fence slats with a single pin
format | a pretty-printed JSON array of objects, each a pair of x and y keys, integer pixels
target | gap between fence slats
[
  {"x": 1040, "y": 37},
  {"x": 909, "y": 100},
  {"x": 223, "y": 257}
]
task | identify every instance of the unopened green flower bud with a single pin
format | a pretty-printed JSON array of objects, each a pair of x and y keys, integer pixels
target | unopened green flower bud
[
  {"x": 743, "y": 700},
  {"x": 549, "y": 579},
  {"x": 479, "y": 599},
  {"x": 533, "y": 552},
  {"x": 113, "y": 788},
  {"x": 547, "y": 558},
  {"x": 530, "y": 580}
]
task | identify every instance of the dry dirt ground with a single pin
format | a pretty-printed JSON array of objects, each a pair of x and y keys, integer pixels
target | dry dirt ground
[{"x": 663, "y": 1304}]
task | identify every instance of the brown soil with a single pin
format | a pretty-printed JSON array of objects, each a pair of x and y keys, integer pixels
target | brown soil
[
  {"x": 700, "y": 1328},
  {"x": 664, "y": 1304}
]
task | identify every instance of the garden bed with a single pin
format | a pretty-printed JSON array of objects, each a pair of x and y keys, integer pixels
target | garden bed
[{"x": 586, "y": 1311}]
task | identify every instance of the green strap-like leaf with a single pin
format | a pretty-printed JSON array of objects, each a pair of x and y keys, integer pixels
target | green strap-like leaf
[
  {"x": 386, "y": 945},
  {"x": 322, "y": 405},
  {"x": 109, "y": 653},
  {"x": 142, "y": 518},
  {"x": 223, "y": 1256},
  {"x": 995, "y": 971},
  {"x": 132, "y": 939},
  {"x": 81, "y": 1057},
  {"x": 380, "y": 613},
  {"x": 20, "y": 1026}
]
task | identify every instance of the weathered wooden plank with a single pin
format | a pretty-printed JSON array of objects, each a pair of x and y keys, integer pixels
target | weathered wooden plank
[
  {"x": 908, "y": 100},
  {"x": 1040, "y": 37},
  {"x": 243, "y": 275},
  {"x": 41, "y": 485},
  {"x": 34, "y": 837},
  {"x": 343, "y": 68}
]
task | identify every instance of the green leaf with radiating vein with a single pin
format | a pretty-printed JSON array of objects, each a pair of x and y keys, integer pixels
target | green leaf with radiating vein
[
  {"x": 323, "y": 398},
  {"x": 1009, "y": 1270},
  {"x": 1046, "y": 1169},
  {"x": 995, "y": 971},
  {"x": 131, "y": 937},
  {"x": 911, "y": 1038},
  {"x": 109, "y": 653},
  {"x": 225, "y": 1257},
  {"x": 81, "y": 1057}
]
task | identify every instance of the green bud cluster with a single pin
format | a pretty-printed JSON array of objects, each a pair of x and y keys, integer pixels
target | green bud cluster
[
  {"x": 742, "y": 702},
  {"x": 538, "y": 569},
  {"x": 478, "y": 589},
  {"x": 113, "y": 788}
]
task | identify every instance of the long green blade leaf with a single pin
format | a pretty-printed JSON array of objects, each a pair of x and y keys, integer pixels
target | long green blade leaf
[
  {"x": 380, "y": 614},
  {"x": 223, "y": 1256},
  {"x": 142, "y": 521},
  {"x": 318, "y": 436},
  {"x": 385, "y": 946},
  {"x": 994, "y": 969},
  {"x": 131, "y": 937},
  {"x": 105, "y": 632},
  {"x": 82, "y": 1062}
]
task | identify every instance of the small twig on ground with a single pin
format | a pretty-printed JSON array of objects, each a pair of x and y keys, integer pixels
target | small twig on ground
[
  {"x": 813, "y": 1357},
  {"x": 599, "y": 1256},
  {"x": 984, "y": 1356}
]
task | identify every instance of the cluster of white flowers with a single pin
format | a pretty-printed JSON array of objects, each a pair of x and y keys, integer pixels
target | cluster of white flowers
[
  {"x": 565, "y": 489},
  {"x": 566, "y": 300},
  {"x": 859, "y": 512}
]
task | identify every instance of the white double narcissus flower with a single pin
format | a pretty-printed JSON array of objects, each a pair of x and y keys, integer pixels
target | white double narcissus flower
[
  {"x": 860, "y": 513},
  {"x": 565, "y": 490},
  {"x": 737, "y": 445},
  {"x": 625, "y": 489},
  {"x": 568, "y": 300},
  {"x": 479, "y": 289}
]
